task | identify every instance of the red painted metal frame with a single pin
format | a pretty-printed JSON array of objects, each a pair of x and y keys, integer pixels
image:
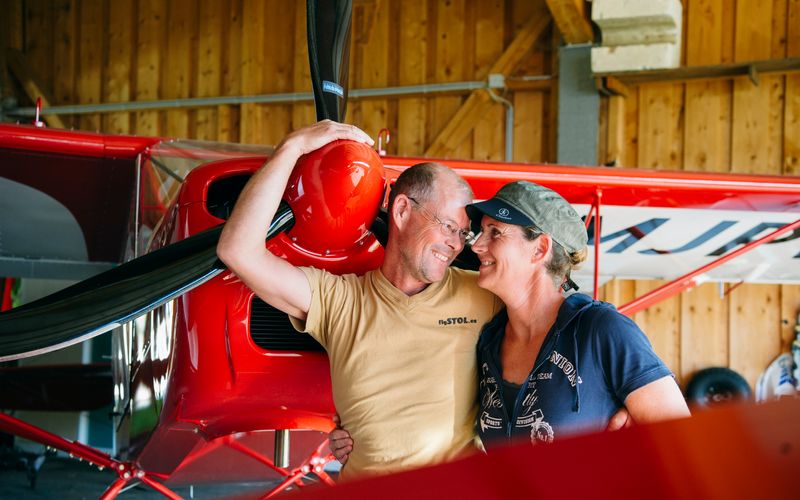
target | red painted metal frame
[
  {"x": 689, "y": 280},
  {"x": 126, "y": 471},
  {"x": 5, "y": 301},
  {"x": 594, "y": 214}
]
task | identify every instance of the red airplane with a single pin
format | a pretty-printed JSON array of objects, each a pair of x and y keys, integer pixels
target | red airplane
[{"x": 207, "y": 377}]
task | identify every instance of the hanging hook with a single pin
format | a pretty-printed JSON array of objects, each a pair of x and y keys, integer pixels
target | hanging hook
[
  {"x": 37, "y": 121},
  {"x": 383, "y": 132}
]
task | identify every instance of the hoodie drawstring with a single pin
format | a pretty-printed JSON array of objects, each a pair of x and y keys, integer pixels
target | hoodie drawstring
[{"x": 576, "y": 397}]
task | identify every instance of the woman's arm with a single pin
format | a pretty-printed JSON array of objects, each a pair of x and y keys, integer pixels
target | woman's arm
[{"x": 661, "y": 399}]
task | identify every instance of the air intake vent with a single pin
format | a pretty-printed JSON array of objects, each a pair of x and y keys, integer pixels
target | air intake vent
[{"x": 270, "y": 329}]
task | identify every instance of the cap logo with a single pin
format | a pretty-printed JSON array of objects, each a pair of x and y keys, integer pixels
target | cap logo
[{"x": 503, "y": 212}]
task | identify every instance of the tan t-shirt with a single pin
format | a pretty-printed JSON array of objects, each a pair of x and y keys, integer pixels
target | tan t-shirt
[{"x": 403, "y": 368}]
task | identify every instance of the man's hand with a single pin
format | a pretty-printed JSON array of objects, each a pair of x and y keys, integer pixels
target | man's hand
[
  {"x": 340, "y": 442},
  {"x": 620, "y": 420},
  {"x": 313, "y": 137}
]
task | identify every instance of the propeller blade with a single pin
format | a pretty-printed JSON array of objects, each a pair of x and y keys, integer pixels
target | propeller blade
[
  {"x": 111, "y": 299},
  {"x": 328, "y": 28}
]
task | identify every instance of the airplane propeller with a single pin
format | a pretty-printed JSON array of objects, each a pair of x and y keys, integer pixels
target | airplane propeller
[{"x": 112, "y": 298}]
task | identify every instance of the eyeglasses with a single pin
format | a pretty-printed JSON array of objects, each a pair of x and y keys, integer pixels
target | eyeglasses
[{"x": 448, "y": 228}]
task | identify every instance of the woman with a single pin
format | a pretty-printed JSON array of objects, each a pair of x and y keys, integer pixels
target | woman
[{"x": 551, "y": 365}]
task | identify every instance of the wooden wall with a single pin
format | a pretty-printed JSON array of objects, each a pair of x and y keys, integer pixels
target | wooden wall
[
  {"x": 90, "y": 51},
  {"x": 717, "y": 126}
]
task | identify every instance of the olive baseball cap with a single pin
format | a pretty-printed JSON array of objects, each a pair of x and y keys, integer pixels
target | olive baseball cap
[{"x": 524, "y": 203}]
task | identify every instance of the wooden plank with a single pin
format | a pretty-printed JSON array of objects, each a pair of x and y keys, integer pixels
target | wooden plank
[
  {"x": 630, "y": 157},
  {"x": 708, "y": 103},
  {"x": 489, "y": 27},
  {"x": 793, "y": 29},
  {"x": 303, "y": 113},
  {"x": 708, "y": 131},
  {"x": 151, "y": 38},
  {"x": 779, "y": 29},
  {"x": 211, "y": 15},
  {"x": 118, "y": 65},
  {"x": 704, "y": 31},
  {"x": 39, "y": 41},
  {"x": 572, "y": 20},
  {"x": 753, "y": 39},
  {"x": 478, "y": 103},
  {"x": 13, "y": 24},
  {"x": 659, "y": 126},
  {"x": 791, "y": 123},
  {"x": 448, "y": 67},
  {"x": 412, "y": 47},
  {"x": 65, "y": 54},
  {"x": 228, "y": 115},
  {"x": 10, "y": 37},
  {"x": 619, "y": 292},
  {"x": 615, "y": 131},
  {"x": 90, "y": 60},
  {"x": 660, "y": 323},
  {"x": 755, "y": 329},
  {"x": 751, "y": 125},
  {"x": 177, "y": 81},
  {"x": 529, "y": 134},
  {"x": 703, "y": 330},
  {"x": 277, "y": 74},
  {"x": 374, "y": 54},
  {"x": 252, "y": 67}
]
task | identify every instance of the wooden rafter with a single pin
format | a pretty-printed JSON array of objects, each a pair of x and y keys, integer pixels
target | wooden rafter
[
  {"x": 19, "y": 68},
  {"x": 477, "y": 104},
  {"x": 571, "y": 19}
]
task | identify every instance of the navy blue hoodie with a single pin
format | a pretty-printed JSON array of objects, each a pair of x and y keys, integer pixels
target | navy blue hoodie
[{"x": 591, "y": 359}]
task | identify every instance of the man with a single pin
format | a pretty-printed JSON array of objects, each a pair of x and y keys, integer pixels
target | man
[{"x": 401, "y": 339}]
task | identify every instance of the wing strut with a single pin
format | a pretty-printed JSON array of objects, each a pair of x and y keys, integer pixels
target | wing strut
[{"x": 691, "y": 279}]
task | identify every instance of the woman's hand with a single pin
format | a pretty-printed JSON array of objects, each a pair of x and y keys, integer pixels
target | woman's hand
[
  {"x": 620, "y": 420},
  {"x": 340, "y": 442}
]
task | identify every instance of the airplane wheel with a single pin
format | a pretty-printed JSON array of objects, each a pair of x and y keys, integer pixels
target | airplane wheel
[{"x": 712, "y": 386}]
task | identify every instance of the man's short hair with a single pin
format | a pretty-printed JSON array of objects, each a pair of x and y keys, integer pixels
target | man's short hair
[{"x": 419, "y": 181}]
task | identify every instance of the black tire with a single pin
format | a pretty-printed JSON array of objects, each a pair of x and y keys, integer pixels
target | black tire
[{"x": 713, "y": 386}]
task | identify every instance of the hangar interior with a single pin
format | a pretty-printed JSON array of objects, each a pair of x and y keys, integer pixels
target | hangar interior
[{"x": 484, "y": 80}]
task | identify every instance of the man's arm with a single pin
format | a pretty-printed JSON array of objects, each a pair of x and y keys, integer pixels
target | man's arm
[{"x": 241, "y": 246}]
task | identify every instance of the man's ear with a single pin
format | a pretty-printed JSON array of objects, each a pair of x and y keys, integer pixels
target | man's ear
[{"x": 401, "y": 210}]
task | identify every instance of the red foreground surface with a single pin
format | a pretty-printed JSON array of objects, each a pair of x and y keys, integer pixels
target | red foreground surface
[{"x": 743, "y": 451}]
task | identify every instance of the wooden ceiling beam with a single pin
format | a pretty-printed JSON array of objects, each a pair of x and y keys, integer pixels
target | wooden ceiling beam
[
  {"x": 571, "y": 19},
  {"x": 477, "y": 104},
  {"x": 19, "y": 68}
]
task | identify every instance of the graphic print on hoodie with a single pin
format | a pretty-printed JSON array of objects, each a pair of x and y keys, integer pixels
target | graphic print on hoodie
[{"x": 590, "y": 360}]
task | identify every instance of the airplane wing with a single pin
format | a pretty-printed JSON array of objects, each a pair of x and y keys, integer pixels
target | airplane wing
[
  {"x": 661, "y": 225},
  {"x": 65, "y": 200}
]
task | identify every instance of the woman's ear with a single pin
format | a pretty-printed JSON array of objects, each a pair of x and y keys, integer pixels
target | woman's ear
[{"x": 542, "y": 246}]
